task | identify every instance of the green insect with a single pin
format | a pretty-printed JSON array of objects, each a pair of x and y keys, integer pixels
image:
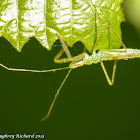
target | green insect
[{"x": 103, "y": 43}]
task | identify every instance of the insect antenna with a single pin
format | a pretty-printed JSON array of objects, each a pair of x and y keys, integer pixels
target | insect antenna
[
  {"x": 28, "y": 70},
  {"x": 55, "y": 97}
]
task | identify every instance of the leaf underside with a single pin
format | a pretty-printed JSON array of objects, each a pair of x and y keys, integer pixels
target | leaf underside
[{"x": 74, "y": 20}]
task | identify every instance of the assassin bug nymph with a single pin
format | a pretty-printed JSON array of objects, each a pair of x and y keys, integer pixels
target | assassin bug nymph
[{"x": 85, "y": 59}]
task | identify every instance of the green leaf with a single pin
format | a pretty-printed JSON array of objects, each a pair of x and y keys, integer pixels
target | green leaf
[
  {"x": 22, "y": 19},
  {"x": 74, "y": 20}
]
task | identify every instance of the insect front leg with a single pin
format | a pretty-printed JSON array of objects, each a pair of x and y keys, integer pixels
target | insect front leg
[
  {"x": 110, "y": 81},
  {"x": 117, "y": 37},
  {"x": 57, "y": 58},
  {"x": 65, "y": 49},
  {"x": 102, "y": 31},
  {"x": 94, "y": 9}
]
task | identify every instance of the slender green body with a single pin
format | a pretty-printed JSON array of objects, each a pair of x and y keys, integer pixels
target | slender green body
[{"x": 106, "y": 55}]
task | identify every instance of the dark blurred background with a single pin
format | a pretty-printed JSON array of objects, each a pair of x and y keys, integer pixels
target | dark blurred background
[{"x": 87, "y": 107}]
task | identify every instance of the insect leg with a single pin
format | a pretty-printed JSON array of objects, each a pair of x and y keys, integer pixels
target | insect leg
[
  {"x": 93, "y": 7},
  {"x": 56, "y": 95},
  {"x": 110, "y": 82},
  {"x": 65, "y": 47},
  {"x": 57, "y": 58},
  {"x": 118, "y": 37},
  {"x": 98, "y": 41},
  {"x": 63, "y": 60}
]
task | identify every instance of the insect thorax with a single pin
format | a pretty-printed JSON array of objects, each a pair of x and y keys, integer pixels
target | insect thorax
[{"x": 91, "y": 59}]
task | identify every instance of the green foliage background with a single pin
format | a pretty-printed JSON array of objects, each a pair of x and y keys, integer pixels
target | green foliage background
[{"x": 87, "y": 107}]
